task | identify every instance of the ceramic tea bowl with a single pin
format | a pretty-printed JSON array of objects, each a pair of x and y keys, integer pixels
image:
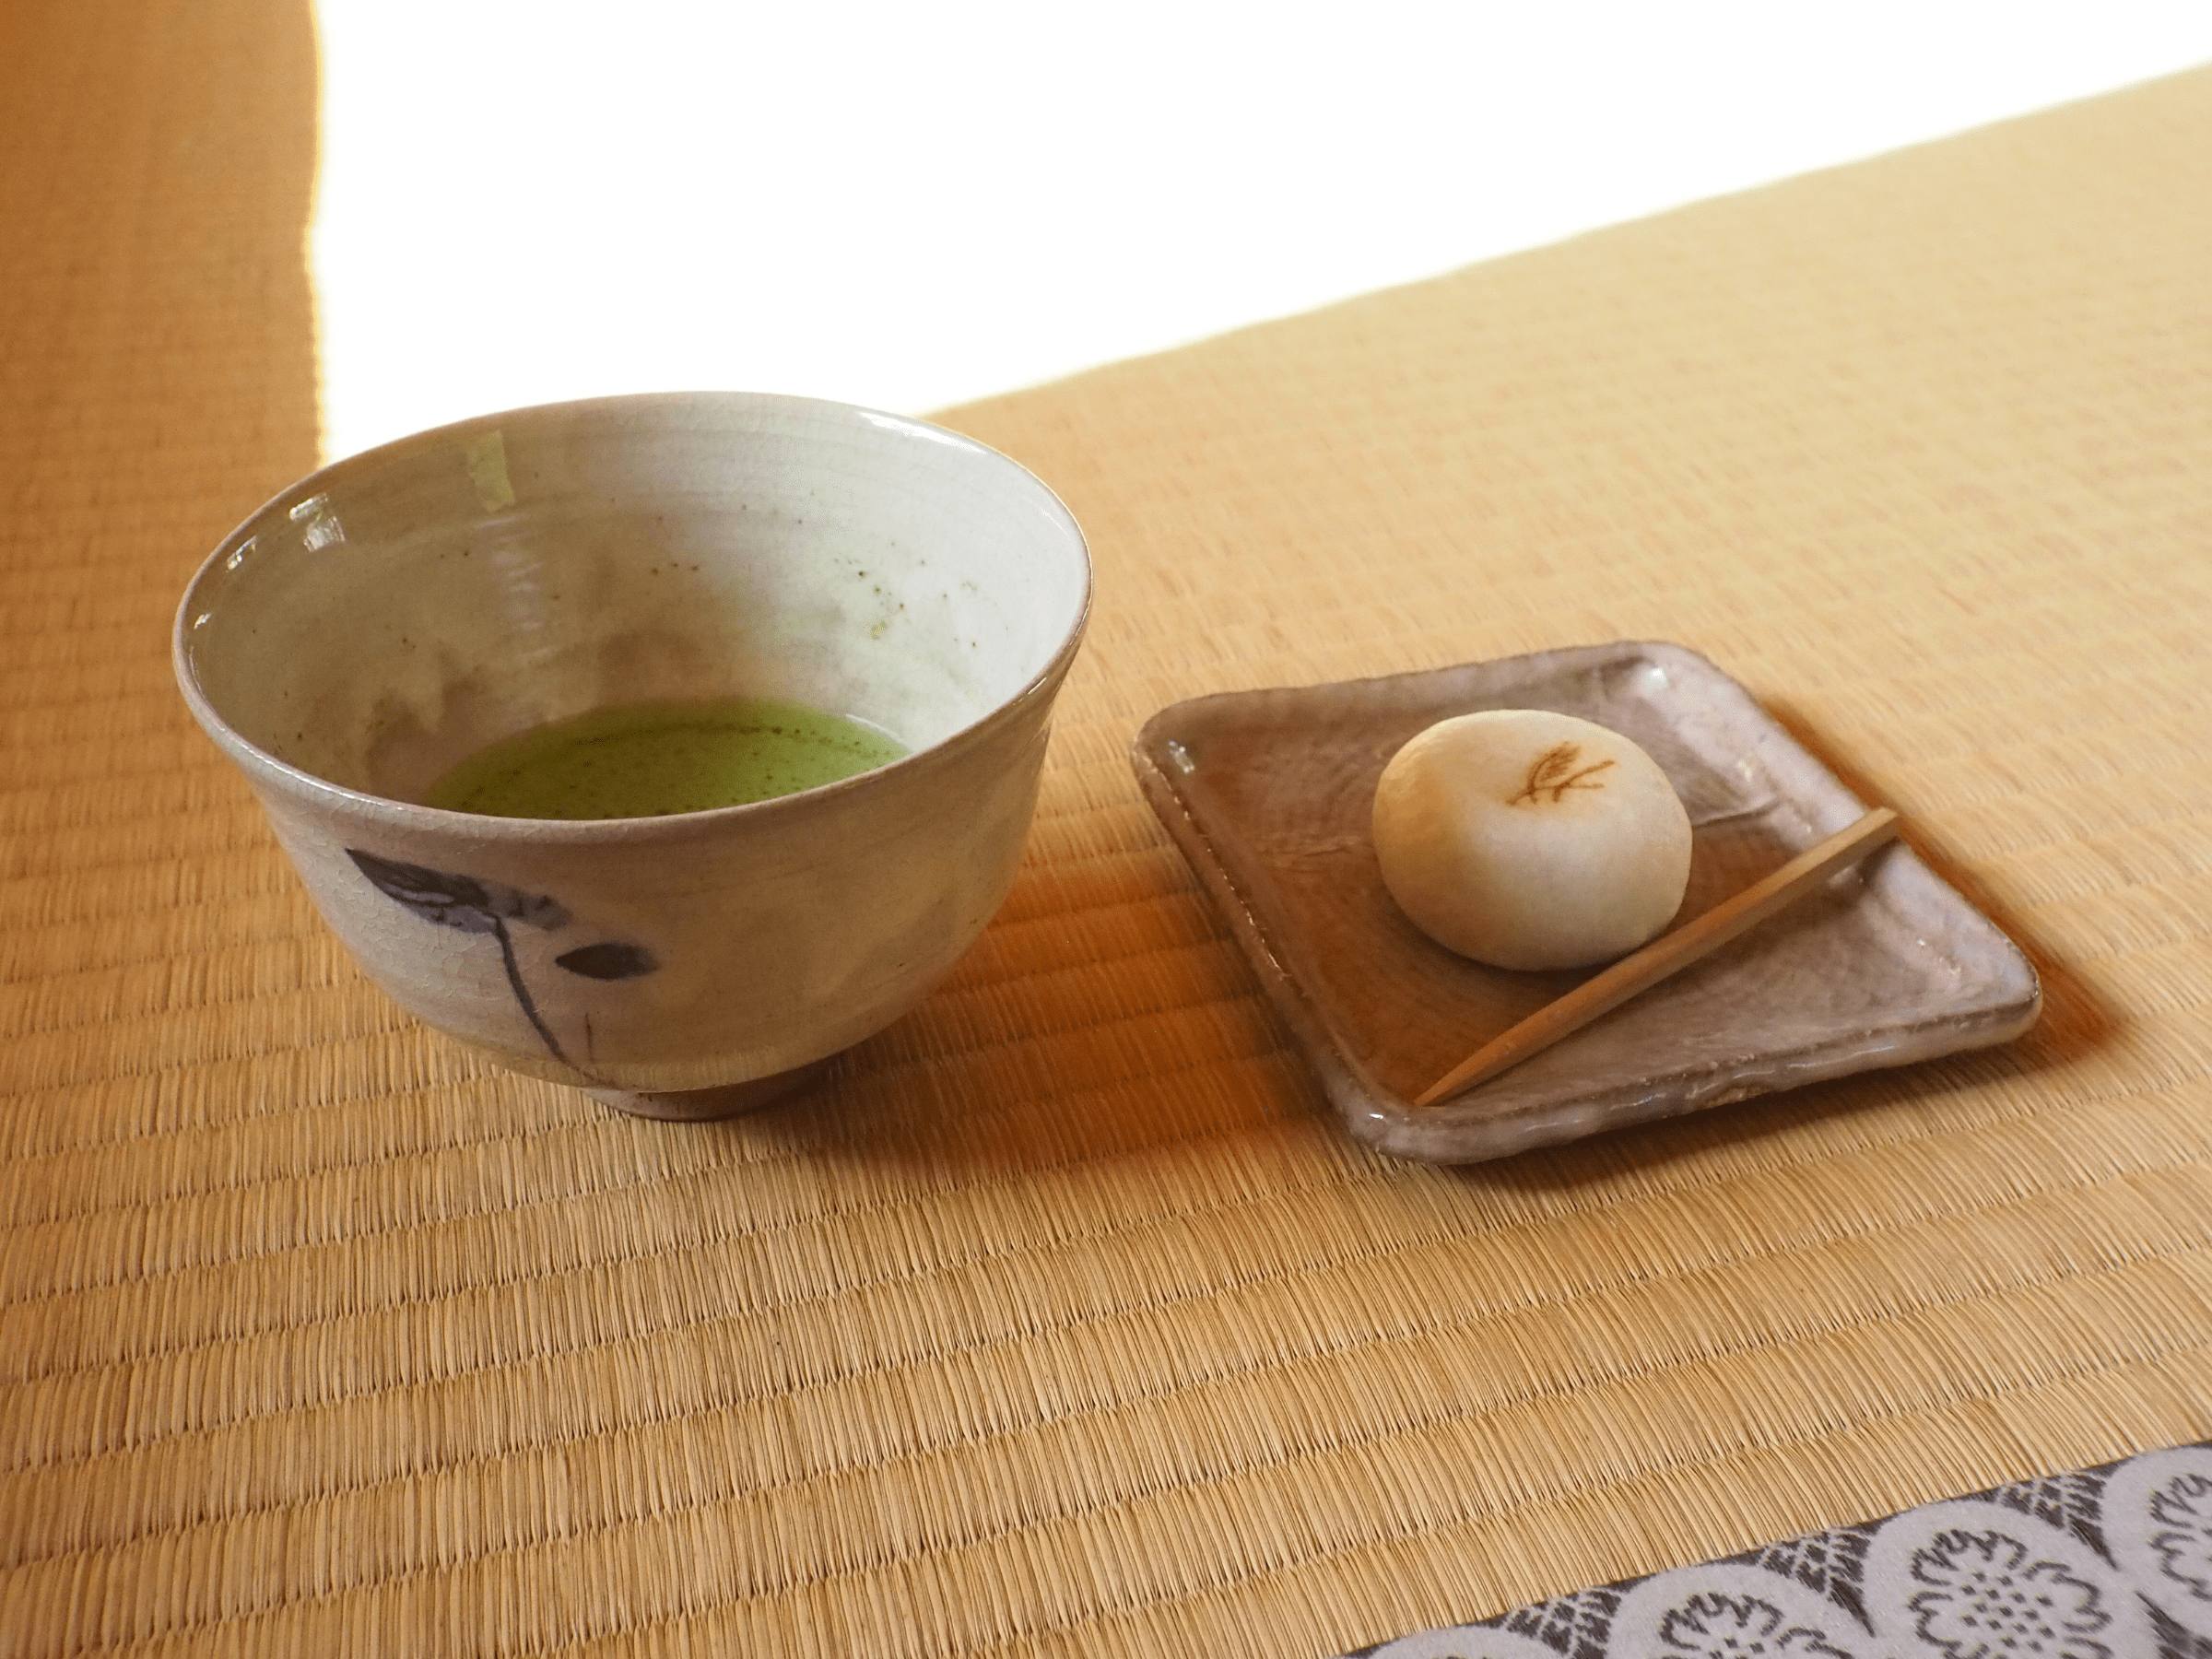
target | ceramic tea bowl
[{"x": 397, "y": 612}]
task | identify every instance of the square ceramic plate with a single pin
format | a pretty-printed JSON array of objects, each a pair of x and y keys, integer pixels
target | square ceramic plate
[{"x": 1269, "y": 794}]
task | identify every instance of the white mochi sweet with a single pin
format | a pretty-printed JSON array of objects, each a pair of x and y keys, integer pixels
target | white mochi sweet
[{"x": 1530, "y": 840}]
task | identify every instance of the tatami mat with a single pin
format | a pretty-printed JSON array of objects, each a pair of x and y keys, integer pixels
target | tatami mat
[{"x": 1068, "y": 1320}]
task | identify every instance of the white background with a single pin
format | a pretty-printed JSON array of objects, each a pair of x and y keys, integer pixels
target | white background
[{"x": 909, "y": 205}]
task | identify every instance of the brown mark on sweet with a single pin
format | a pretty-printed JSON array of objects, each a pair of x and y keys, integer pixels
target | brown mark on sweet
[{"x": 1555, "y": 772}]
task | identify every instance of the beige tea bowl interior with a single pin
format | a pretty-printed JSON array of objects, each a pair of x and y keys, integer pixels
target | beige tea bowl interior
[{"x": 400, "y": 610}]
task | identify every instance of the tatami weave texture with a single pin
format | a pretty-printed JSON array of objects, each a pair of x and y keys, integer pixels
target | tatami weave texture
[{"x": 1068, "y": 1320}]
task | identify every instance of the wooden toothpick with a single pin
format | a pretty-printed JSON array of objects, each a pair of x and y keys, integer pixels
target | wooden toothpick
[{"x": 1668, "y": 954}]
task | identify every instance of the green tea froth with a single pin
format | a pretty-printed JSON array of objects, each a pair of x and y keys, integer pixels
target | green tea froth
[{"x": 651, "y": 759}]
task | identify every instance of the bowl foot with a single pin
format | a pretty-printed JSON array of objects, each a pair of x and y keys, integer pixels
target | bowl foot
[{"x": 704, "y": 1105}]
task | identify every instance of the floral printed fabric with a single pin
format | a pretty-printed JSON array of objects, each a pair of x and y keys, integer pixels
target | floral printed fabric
[{"x": 2111, "y": 1563}]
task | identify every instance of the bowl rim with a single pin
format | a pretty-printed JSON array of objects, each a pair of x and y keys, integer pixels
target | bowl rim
[{"x": 267, "y": 769}]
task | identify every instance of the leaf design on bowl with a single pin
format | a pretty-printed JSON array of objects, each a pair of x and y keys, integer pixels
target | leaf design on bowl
[
  {"x": 468, "y": 902},
  {"x": 476, "y": 906},
  {"x": 609, "y": 960}
]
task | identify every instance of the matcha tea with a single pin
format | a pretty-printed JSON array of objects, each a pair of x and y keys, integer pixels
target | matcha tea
[{"x": 649, "y": 760}]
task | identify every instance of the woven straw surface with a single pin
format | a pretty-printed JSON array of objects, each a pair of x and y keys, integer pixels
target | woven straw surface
[{"x": 1068, "y": 1320}]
